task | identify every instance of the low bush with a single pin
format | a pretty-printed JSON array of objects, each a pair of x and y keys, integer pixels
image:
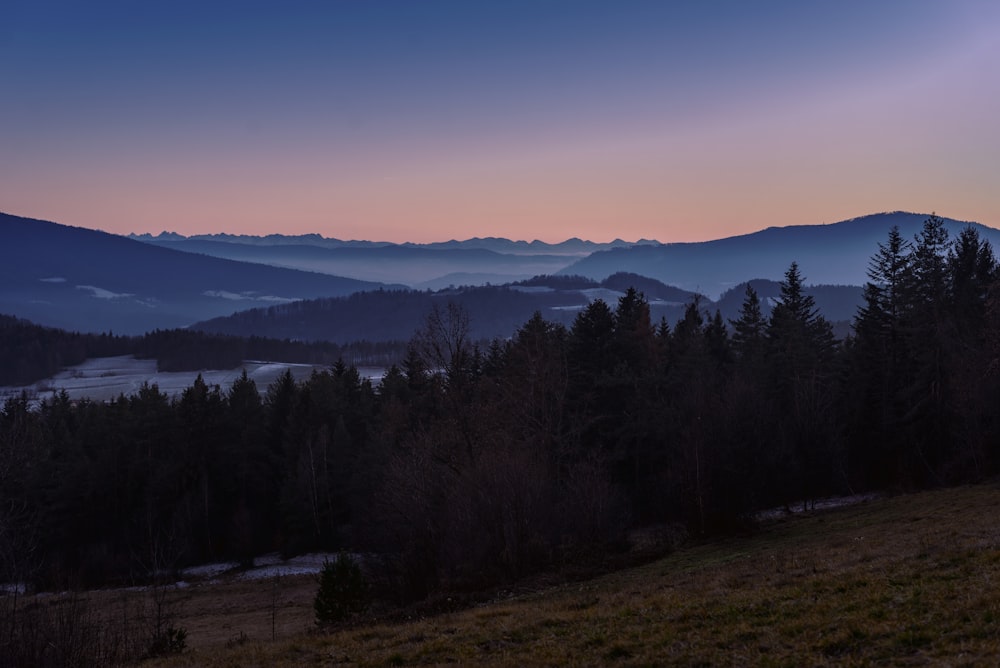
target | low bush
[{"x": 342, "y": 590}]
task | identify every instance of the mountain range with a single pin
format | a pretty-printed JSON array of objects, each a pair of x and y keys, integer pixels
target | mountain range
[
  {"x": 835, "y": 254},
  {"x": 416, "y": 266},
  {"x": 498, "y": 311},
  {"x": 91, "y": 281},
  {"x": 573, "y": 246}
]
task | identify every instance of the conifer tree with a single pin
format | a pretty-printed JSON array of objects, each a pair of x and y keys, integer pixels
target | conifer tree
[
  {"x": 750, "y": 328},
  {"x": 801, "y": 347},
  {"x": 972, "y": 269},
  {"x": 878, "y": 354}
]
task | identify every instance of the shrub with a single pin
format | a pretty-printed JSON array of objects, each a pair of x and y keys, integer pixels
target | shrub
[
  {"x": 342, "y": 590},
  {"x": 171, "y": 641}
]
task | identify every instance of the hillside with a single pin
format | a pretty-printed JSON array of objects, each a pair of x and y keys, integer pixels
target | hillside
[
  {"x": 86, "y": 280},
  {"x": 900, "y": 581},
  {"x": 91, "y": 281},
  {"x": 495, "y": 311},
  {"x": 835, "y": 254},
  {"x": 31, "y": 353}
]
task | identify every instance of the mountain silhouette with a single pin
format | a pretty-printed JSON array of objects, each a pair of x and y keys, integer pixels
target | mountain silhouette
[
  {"x": 835, "y": 254},
  {"x": 414, "y": 265},
  {"x": 91, "y": 281}
]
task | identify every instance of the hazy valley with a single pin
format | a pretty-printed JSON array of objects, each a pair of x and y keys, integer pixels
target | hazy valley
[
  {"x": 89, "y": 281},
  {"x": 452, "y": 443}
]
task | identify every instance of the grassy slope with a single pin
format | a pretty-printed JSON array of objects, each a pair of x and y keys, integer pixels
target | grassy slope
[{"x": 904, "y": 581}]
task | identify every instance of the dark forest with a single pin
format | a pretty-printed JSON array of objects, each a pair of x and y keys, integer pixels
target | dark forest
[{"x": 475, "y": 464}]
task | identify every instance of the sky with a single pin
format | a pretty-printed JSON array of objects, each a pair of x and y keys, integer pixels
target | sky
[{"x": 425, "y": 120}]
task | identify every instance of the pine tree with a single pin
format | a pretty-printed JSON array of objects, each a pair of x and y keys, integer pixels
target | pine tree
[
  {"x": 634, "y": 333},
  {"x": 342, "y": 590},
  {"x": 972, "y": 269},
  {"x": 246, "y": 450},
  {"x": 801, "y": 347},
  {"x": 924, "y": 417},
  {"x": 797, "y": 332},
  {"x": 877, "y": 359},
  {"x": 972, "y": 397},
  {"x": 749, "y": 329}
]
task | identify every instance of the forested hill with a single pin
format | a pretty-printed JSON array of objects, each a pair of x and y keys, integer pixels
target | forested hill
[
  {"x": 91, "y": 281},
  {"x": 30, "y": 352},
  {"x": 497, "y": 311},
  {"x": 469, "y": 467},
  {"x": 366, "y": 328},
  {"x": 834, "y": 254}
]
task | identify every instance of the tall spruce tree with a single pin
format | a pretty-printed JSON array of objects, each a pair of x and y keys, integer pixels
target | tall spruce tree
[
  {"x": 801, "y": 351},
  {"x": 972, "y": 270},
  {"x": 749, "y": 329},
  {"x": 925, "y": 421},
  {"x": 872, "y": 400}
]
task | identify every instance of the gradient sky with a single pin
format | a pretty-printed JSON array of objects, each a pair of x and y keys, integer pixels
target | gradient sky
[{"x": 423, "y": 120}]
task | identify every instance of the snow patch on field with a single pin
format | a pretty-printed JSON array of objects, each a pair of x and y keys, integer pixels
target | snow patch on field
[
  {"x": 532, "y": 289},
  {"x": 105, "y": 378},
  {"x": 101, "y": 293},
  {"x": 270, "y": 566},
  {"x": 264, "y": 567},
  {"x": 239, "y": 296},
  {"x": 209, "y": 570},
  {"x": 819, "y": 504},
  {"x": 608, "y": 296}
]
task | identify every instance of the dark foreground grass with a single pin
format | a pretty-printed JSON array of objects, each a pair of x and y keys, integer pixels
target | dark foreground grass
[{"x": 910, "y": 580}]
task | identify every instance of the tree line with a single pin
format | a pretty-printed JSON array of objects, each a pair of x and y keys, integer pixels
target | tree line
[
  {"x": 474, "y": 464},
  {"x": 31, "y": 352},
  {"x": 494, "y": 310}
]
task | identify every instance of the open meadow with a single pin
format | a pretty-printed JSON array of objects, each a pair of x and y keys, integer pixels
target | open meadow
[{"x": 908, "y": 580}]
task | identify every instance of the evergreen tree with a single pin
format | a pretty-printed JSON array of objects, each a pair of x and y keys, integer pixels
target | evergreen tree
[
  {"x": 717, "y": 339},
  {"x": 925, "y": 419},
  {"x": 801, "y": 346},
  {"x": 972, "y": 269},
  {"x": 208, "y": 486},
  {"x": 591, "y": 342},
  {"x": 749, "y": 329},
  {"x": 250, "y": 532},
  {"x": 878, "y": 355},
  {"x": 972, "y": 396},
  {"x": 342, "y": 590},
  {"x": 591, "y": 361},
  {"x": 926, "y": 283}
]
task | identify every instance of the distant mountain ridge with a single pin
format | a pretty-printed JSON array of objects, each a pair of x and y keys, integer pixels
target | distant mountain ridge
[
  {"x": 476, "y": 261},
  {"x": 86, "y": 280},
  {"x": 572, "y": 246},
  {"x": 833, "y": 254},
  {"x": 829, "y": 254},
  {"x": 412, "y": 265},
  {"x": 498, "y": 311},
  {"x": 91, "y": 281}
]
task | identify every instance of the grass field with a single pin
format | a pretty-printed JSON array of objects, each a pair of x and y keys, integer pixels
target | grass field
[{"x": 909, "y": 580}]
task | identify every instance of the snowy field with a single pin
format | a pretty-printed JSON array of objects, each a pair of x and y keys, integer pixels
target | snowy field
[
  {"x": 817, "y": 504},
  {"x": 105, "y": 378},
  {"x": 264, "y": 567}
]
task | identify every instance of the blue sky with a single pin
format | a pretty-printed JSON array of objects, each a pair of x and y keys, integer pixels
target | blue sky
[{"x": 432, "y": 120}]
